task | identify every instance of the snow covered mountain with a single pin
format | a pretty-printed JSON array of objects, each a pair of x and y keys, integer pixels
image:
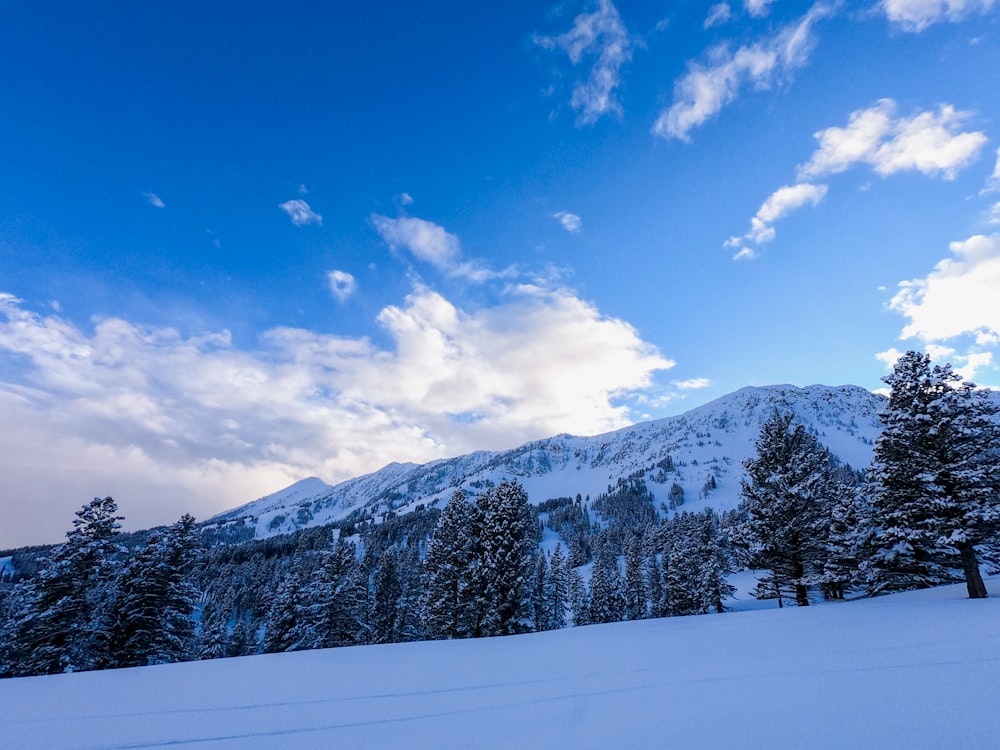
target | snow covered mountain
[{"x": 701, "y": 450}]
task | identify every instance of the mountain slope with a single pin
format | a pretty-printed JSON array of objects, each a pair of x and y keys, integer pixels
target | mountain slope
[
  {"x": 710, "y": 441},
  {"x": 914, "y": 670}
]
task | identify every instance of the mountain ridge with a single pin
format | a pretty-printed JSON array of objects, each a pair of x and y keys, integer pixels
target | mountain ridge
[{"x": 706, "y": 446}]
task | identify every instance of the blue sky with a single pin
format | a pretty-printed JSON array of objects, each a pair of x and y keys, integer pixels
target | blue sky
[{"x": 244, "y": 245}]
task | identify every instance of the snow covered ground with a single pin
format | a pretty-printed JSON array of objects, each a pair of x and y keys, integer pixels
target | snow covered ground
[{"x": 916, "y": 670}]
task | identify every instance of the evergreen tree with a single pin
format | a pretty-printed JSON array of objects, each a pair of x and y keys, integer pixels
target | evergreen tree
[
  {"x": 606, "y": 601},
  {"x": 150, "y": 619},
  {"x": 557, "y": 590},
  {"x": 243, "y": 639},
  {"x": 682, "y": 567},
  {"x": 933, "y": 484},
  {"x": 634, "y": 588},
  {"x": 213, "y": 636},
  {"x": 282, "y": 617},
  {"x": 539, "y": 600},
  {"x": 386, "y": 597},
  {"x": 786, "y": 498},
  {"x": 714, "y": 564},
  {"x": 654, "y": 579},
  {"x": 411, "y": 579},
  {"x": 507, "y": 543},
  {"x": 334, "y": 608},
  {"x": 579, "y": 598},
  {"x": 59, "y": 628},
  {"x": 451, "y": 572}
]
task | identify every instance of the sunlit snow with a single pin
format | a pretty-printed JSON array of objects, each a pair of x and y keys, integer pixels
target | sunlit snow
[{"x": 915, "y": 670}]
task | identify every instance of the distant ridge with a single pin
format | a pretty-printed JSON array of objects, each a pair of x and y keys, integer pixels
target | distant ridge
[{"x": 709, "y": 441}]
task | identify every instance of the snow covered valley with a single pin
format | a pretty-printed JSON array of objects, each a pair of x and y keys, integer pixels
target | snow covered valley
[{"x": 913, "y": 670}]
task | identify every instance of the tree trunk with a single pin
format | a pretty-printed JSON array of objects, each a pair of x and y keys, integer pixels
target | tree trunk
[{"x": 973, "y": 579}]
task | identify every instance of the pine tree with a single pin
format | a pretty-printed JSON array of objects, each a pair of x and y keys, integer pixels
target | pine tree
[
  {"x": 411, "y": 579},
  {"x": 451, "y": 572},
  {"x": 933, "y": 485},
  {"x": 213, "y": 636},
  {"x": 507, "y": 544},
  {"x": 150, "y": 619},
  {"x": 282, "y": 617},
  {"x": 712, "y": 588},
  {"x": 59, "y": 629},
  {"x": 786, "y": 498},
  {"x": 334, "y": 608},
  {"x": 654, "y": 579},
  {"x": 606, "y": 601},
  {"x": 579, "y": 598},
  {"x": 386, "y": 597},
  {"x": 682, "y": 567},
  {"x": 634, "y": 588},
  {"x": 539, "y": 600},
  {"x": 557, "y": 590}
]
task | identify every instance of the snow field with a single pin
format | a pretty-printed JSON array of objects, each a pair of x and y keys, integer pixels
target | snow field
[{"x": 915, "y": 670}]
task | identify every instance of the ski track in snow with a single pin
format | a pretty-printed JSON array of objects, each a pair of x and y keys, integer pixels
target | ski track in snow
[{"x": 916, "y": 670}]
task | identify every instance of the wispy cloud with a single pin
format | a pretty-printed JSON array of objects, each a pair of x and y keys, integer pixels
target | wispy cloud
[
  {"x": 342, "y": 284},
  {"x": 718, "y": 14},
  {"x": 917, "y": 15},
  {"x": 709, "y": 86},
  {"x": 155, "y": 200},
  {"x": 782, "y": 202},
  {"x": 432, "y": 244},
  {"x": 758, "y": 8},
  {"x": 993, "y": 181},
  {"x": 154, "y": 416},
  {"x": 570, "y": 222},
  {"x": 300, "y": 213},
  {"x": 692, "y": 384},
  {"x": 929, "y": 142},
  {"x": 601, "y": 39}
]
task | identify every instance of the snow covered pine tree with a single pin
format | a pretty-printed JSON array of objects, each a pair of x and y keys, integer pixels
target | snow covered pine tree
[{"x": 934, "y": 484}]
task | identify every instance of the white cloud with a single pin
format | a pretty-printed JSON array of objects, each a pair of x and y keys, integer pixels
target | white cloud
[
  {"x": 432, "y": 244},
  {"x": 692, "y": 384},
  {"x": 993, "y": 181},
  {"x": 708, "y": 87},
  {"x": 917, "y": 15},
  {"x": 303, "y": 190},
  {"x": 602, "y": 38},
  {"x": 155, "y": 200},
  {"x": 758, "y": 8},
  {"x": 570, "y": 222},
  {"x": 929, "y": 142},
  {"x": 958, "y": 297},
  {"x": 405, "y": 199},
  {"x": 342, "y": 284},
  {"x": 743, "y": 252},
  {"x": 994, "y": 217},
  {"x": 426, "y": 240},
  {"x": 718, "y": 14},
  {"x": 783, "y": 201},
  {"x": 166, "y": 422},
  {"x": 300, "y": 213},
  {"x": 966, "y": 365}
]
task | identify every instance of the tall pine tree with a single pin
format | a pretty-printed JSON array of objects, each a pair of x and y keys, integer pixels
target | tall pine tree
[
  {"x": 786, "y": 497},
  {"x": 934, "y": 485},
  {"x": 59, "y": 629}
]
